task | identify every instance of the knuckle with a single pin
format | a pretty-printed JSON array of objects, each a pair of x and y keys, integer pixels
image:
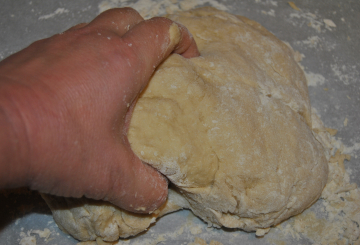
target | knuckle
[
  {"x": 161, "y": 20},
  {"x": 117, "y": 15}
]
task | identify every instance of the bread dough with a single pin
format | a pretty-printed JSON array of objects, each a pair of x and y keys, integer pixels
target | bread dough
[{"x": 230, "y": 129}]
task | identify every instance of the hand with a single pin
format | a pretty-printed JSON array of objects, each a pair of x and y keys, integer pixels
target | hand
[{"x": 65, "y": 107}]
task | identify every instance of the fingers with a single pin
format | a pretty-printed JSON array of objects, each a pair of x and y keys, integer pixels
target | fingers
[
  {"x": 117, "y": 20},
  {"x": 131, "y": 59},
  {"x": 146, "y": 45},
  {"x": 137, "y": 187},
  {"x": 186, "y": 46},
  {"x": 154, "y": 40}
]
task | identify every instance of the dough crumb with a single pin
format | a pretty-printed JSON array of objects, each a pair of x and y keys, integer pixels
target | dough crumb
[
  {"x": 28, "y": 240},
  {"x": 298, "y": 56},
  {"x": 331, "y": 131},
  {"x": 329, "y": 23},
  {"x": 43, "y": 234},
  {"x": 262, "y": 232},
  {"x": 292, "y": 4}
]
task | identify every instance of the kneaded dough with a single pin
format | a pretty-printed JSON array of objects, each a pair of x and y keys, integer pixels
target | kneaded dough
[{"x": 230, "y": 129}]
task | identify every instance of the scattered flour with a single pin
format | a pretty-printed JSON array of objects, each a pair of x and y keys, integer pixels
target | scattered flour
[
  {"x": 312, "y": 41},
  {"x": 300, "y": 18},
  {"x": 314, "y": 79},
  {"x": 42, "y": 234},
  {"x": 151, "y": 8},
  {"x": 271, "y": 12},
  {"x": 196, "y": 230},
  {"x": 317, "y": 43},
  {"x": 345, "y": 74},
  {"x": 298, "y": 56},
  {"x": 28, "y": 239},
  {"x": 59, "y": 11},
  {"x": 267, "y": 2},
  {"x": 350, "y": 150}
]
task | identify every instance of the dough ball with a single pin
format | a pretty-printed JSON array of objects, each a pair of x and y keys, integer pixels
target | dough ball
[{"x": 230, "y": 129}]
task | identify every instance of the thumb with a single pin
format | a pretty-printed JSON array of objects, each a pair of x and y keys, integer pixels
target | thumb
[
  {"x": 137, "y": 187},
  {"x": 141, "y": 188}
]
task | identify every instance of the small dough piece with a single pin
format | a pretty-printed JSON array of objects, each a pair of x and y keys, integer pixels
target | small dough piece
[{"x": 231, "y": 129}]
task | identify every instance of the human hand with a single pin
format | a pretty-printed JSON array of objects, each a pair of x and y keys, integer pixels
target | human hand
[{"x": 67, "y": 104}]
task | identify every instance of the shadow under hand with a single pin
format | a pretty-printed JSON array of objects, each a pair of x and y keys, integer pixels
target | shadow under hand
[{"x": 16, "y": 203}]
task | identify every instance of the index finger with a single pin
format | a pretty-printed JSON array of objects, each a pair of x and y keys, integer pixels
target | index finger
[{"x": 152, "y": 41}]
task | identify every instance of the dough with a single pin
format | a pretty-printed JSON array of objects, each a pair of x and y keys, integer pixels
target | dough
[
  {"x": 230, "y": 129},
  {"x": 88, "y": 220}
]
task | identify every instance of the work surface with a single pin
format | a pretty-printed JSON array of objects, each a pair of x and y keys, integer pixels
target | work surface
[{"x": 326, "y": 33}]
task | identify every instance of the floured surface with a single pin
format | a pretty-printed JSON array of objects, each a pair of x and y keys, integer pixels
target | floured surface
[
  {"x": 336, "y": 219},
  {"x": 151, "y": 8}
]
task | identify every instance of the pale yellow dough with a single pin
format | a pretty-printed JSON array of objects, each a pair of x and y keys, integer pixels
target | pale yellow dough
[{"x": 231, "y": 129}]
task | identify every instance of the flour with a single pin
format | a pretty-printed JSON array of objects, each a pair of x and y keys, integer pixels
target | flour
[
  {"x": 152, "y": 8},
  {"x": 58, "y": 11},
  {"x": 350, "y": 150},
  {"x": 317, "y": 43},
  {"x": 267, "y": 2},
  {"x": 298, "y": 56},
  {"x": 312, "y": 41},
  {"x": 28, "y": 239},
  {"x": 196, "y": 230},
  {"x": 271, "y": 12},
  {"x": 300, "y": 18},
  {"x": 42, "y": 234},
  {"x": 344, "y": 73},
  {"x": 314, "y": 79}
]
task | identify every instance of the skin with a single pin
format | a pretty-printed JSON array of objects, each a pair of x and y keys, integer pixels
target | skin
[{"x": 65, "y": 106}]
